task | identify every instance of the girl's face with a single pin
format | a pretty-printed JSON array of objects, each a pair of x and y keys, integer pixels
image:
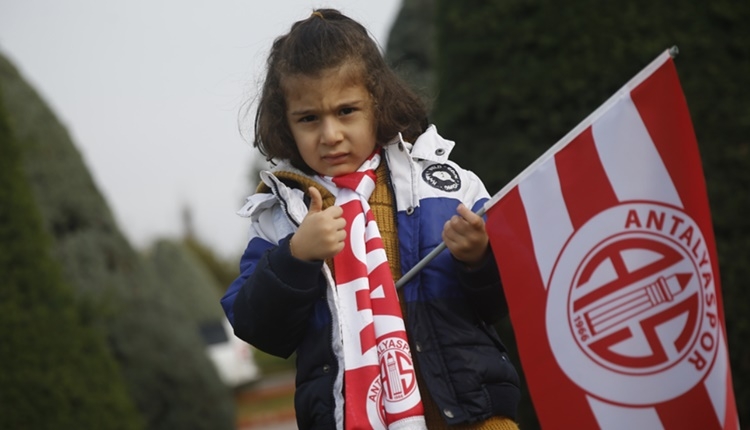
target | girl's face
[{"x": 331, "y": 118}]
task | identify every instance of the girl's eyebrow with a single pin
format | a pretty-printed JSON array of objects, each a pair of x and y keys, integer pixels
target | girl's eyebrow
[
  {"x": 353, "y": 102},
  {"x": 304, "y": 111},
  {"x": 307, "y": 111}
]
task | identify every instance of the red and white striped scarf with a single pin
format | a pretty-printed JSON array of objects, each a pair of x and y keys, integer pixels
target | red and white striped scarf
[{"x": 380, "y": 384}]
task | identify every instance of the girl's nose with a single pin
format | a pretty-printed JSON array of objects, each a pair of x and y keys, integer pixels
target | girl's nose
[{"x": 330, "y": 132}]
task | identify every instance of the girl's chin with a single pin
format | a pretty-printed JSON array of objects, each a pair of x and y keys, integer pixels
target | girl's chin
[{"x": 339, "y": 170}]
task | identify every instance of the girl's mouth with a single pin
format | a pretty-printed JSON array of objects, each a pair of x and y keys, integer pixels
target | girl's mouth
[{"x": 335, "y": 158}]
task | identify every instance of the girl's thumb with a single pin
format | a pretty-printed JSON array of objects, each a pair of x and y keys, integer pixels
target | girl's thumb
[{"x": 316, "y": 200}]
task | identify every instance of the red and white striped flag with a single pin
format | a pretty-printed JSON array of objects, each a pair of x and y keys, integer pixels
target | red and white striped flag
[{"x": 607, "y": 255}]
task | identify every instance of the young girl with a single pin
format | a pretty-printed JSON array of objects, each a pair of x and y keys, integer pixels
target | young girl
[{"x": 362, "y": 191}]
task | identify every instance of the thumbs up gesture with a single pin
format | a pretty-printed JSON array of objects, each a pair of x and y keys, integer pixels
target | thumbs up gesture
[{"x": 321, "y": 234}]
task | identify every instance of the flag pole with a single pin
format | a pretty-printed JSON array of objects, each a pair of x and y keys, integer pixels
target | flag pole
[
  {"x": 429, "y": 257},
  {"x": 671, "y": 52}
]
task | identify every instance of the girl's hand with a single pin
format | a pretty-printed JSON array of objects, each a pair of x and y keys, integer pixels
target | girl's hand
[
  {"x": 465, "y": 236},
  {"x": 321, "y": 234}
]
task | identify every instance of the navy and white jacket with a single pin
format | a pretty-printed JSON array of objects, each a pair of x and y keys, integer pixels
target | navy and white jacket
[{"x": 283, "y": 305}]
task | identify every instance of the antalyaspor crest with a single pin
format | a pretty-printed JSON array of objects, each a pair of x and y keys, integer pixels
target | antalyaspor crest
[{"x": 632, "y": 297}]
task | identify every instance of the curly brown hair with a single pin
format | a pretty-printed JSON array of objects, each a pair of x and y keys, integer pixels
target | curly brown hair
[{"x": 325, "y": 40}]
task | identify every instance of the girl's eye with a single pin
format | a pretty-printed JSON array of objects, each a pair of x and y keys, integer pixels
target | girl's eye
[
  {"x": 347, "y": 110},
  {"x": 307, "y": 118}
]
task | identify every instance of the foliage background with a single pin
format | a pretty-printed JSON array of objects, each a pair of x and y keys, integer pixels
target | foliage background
[
  {"x": 143, "y": 310},
  {"x": 56, "y": 369}
]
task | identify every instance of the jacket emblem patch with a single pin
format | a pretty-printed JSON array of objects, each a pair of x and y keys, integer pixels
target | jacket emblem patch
[{"x": 443, "y": 177}]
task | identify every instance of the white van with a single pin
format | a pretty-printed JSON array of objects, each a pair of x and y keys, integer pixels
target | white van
[{"x": 232, "y": 357}]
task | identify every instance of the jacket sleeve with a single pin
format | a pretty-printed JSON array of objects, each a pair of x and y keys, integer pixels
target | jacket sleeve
[
  {"x": 482, "y": 285},
  {"x": 270, "y": 303},
  {"x": 484, "y": 290}
]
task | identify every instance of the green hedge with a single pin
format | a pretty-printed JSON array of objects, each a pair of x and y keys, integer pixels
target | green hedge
[
  {"x": 160, "y": 355},
  {"x": 56, "y": 370}
]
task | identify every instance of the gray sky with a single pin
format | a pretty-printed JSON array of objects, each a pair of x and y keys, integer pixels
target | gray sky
[{"x": 150, "y": 92}]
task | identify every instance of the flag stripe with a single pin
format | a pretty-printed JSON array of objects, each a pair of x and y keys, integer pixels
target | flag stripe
[
  {"x": 614, "y": 417},
  {"x": 630, "y": 159},
  {"x": 676, "y": 414},
  {"x": 586, "y": 191},
  {"x": 665, "y": 114},
  {"x": 716, "y": 380},
  {"x": 661, "y": 105},
  {"x": 663, "y": 109},
  {"x": 508, "y": 223},
  {"x": 546, "y": 211},
  {"x": 732, "y": 420}
]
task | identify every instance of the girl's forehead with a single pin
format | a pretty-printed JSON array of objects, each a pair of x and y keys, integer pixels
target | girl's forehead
[{"x": 343, "y": 76}]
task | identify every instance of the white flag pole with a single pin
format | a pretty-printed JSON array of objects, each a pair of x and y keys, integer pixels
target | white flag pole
[{"x": 634, "y": 82}]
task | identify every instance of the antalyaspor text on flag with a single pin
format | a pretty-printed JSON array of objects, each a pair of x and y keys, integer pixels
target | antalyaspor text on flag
[{"x": 607, "y": 255}]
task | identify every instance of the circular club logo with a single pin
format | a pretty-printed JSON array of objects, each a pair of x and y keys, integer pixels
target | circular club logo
[
  {"x": 395, "y": 390},
  {"x": 632, "y": 298},
  {"x": 442, "y": 177},
  {"x": 375, "y": 407}
]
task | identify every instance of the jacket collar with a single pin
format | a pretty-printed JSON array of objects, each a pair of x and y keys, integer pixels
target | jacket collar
[
  {"x": 291, "y": 200},
  {"x": 429, "y": 146}
]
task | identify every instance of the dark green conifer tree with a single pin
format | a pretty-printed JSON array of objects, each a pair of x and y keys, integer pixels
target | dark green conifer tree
[
  {"x": 160, "y": 354},
  {"x": 56, "y": 371}
]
